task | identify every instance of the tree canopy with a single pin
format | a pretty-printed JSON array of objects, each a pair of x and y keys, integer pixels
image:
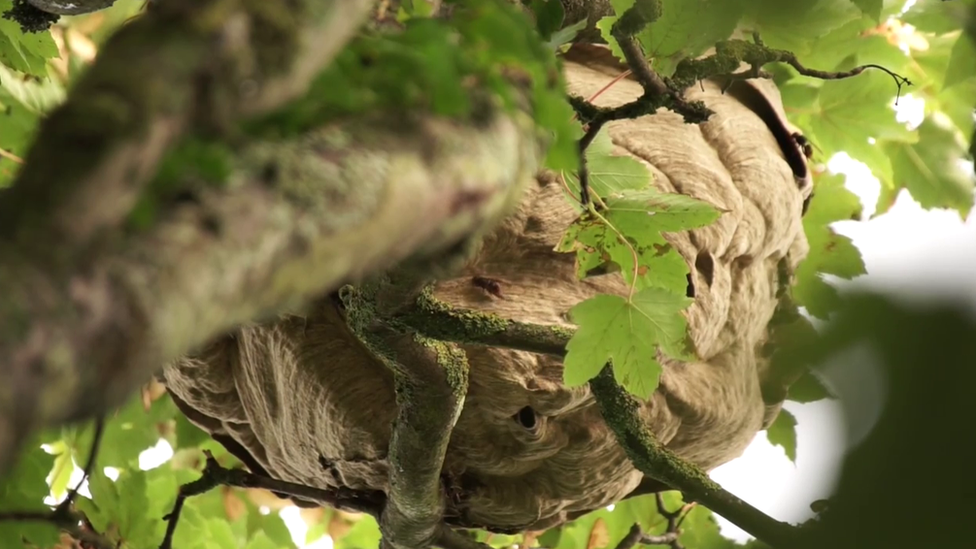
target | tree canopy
[{"x": 306, "y": 126}]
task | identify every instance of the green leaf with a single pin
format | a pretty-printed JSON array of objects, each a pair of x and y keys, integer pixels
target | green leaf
[
  {"x": 687, "y": 28},
  {"x": 851, "y": 111},
  {"x": 829, "y": 50},
  {"x": 11, "y": 54},
  {"x": 63, "y": 467},
  {"x": 23, "y": 489},
  {"x": 782, "y": 433},
  {"x": 317, "y": 530},
  {"x": 793, "y": 25},
  {"x": 136, "y": 524},
  {"x": 128, "y": 432},
  {"x": 26, "y": 53},
  {"x": 962, "y": 62},
  {"x": 830, "y": 253},
  {"x": 555, "y": 113},
  {"x": 614, "y": 525},
  {"x": 188, "y": 435},
  {"x": 565, "y": 35},
  {"x": 271, "y": 524},
  {"x": 605, "y": 24},
  {"x": 102, "y": 508},
  {"x": 930, "y": 168},
  {"x": 700, "y": 530},
  {"x": 808, "y": 388},
  {"x": 261, "y": 541},
  {"x": 871, "y": 8},
  {"x": 630, "y": 232},
  {"x": 798, "y": 96},
  {"x": 628, "y": 333},
  {"x": 192, "y": 531},
  {"x": 609, "y": 173},
  {"x": 637, "y": 212},
  {"x": 220, "y": 533},
  {"x": 549, "y": 16},
  {"x": 365, "y": 533},
  {"x": 934, "y": 16}
]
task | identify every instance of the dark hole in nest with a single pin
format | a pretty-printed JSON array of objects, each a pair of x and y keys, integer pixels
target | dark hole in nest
[
  {"x": 526, "y": 418},
  {"x": 705, "y": 266}
]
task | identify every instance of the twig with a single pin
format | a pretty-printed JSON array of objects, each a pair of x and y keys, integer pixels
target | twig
[
  {"x": 631, "y": 22},
  {"x": 11, "y": 156},
  {"x": 584, "y": 173},
  {"x": 667, "y": 538},
  {"x": 431, "y": 380},
  {"x": 632, "y": 537},
  {"x": 636, "y": 535},
  {"x": 215, "y": 475},
  {"x": 657, "y": 92},
  {"x": 900, "y": 80},
  {"x": 674, "y": 520}
]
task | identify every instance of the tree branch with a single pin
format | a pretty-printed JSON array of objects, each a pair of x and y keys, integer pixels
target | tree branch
[
  {"x": 438, "y": 320},
  {"x": 619, "y": 409},
  {"x": 621, "y": 413},
  {"x": 215, "y": 475},
  {"x": 338, "y": 202},
  {"x": 431, "y": 380},
  {"x": 431, "y": 383},
  {"x": 179, "y": 68},
  {"x": 635, "y": 536}
]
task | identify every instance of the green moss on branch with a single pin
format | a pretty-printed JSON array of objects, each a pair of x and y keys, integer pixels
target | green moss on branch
[
  {"x": 619, "y": 409},
  {"x": 438, "y": 320},
  {"x": 621, "y": 412}
]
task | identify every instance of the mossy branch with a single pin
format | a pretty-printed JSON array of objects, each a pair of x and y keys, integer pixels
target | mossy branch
[
  {"x": 179, "y": 68},
  {"x": 619, "y": 409},
  {"x": 431, "y": 381},
  {"x": 370, "y": 196}
]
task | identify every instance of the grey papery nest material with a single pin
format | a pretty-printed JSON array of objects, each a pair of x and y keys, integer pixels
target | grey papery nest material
[{"x": 303, "y": 400}]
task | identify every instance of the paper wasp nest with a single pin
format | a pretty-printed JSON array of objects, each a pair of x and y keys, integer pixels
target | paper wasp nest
[{"x": 303, "y": 400}]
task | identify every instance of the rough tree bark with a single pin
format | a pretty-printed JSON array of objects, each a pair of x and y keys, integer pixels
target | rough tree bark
[{"x": 89, "y": 309}]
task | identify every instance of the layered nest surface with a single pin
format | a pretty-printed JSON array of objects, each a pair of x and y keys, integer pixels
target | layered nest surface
[{"x": 302, "y": 400}]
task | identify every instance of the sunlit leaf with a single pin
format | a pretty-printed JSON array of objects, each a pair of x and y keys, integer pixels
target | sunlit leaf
[
  {"x": 830, "y": 253},
  {"x": 628, "y": 333},
  {"x": 930, "y": 168},
  {"x": 23, "y": 488},
  {"x": 782, "y": 433},
  {"x": 962, "y": 62}
]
